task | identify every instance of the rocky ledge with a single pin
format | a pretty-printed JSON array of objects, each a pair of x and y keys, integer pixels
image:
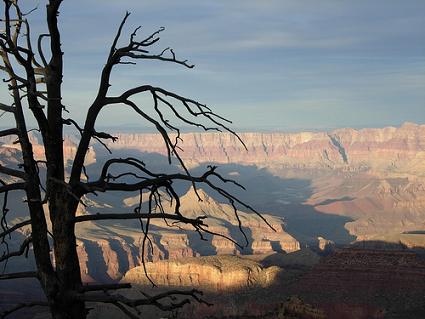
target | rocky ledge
[{"x": 214, "y": 273}]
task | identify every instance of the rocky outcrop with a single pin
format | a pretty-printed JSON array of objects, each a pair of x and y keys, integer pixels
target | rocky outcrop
[
  {"x": 176, "y": 245},
  {"x": 325, "y": 244},
  {"x": 374, "y": 176},
  {"x": 215, "y": 273}
]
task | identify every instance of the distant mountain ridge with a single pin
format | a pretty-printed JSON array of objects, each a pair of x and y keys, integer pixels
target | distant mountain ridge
[{"x": 389, "y": 149}]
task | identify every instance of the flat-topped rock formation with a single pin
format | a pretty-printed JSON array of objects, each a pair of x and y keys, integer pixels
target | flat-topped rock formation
[{"x": 211, "y": 272}]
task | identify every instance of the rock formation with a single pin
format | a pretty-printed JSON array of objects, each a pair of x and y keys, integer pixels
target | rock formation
[
  {"x": 109, "y": 248},
  {"x": 214, "y": 273}
]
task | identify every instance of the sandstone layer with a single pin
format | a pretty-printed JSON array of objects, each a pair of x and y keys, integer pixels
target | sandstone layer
[{"x": 215, "y": 273}]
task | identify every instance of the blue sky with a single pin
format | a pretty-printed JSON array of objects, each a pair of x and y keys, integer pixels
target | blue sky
[{"x": 300, "y": 64}]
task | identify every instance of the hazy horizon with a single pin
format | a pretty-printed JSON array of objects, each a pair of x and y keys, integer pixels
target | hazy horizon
[{"x": 134, "y": 128}]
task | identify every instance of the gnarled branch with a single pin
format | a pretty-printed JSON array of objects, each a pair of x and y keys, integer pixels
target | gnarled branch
[
  {"x": 193, "y": 221},
  {"x": 15, "y": 227},
  {"x": 12, "y": 172},
  {"x": 22, "y": 250},
  {"x": 11, "y": 187},
  {"x": 159, "y": 300},
  {"x": 11, "y": 131}
]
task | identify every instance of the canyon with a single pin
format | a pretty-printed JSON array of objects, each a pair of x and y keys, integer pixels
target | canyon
[
  {"x": 374, "y": 178},
  {"x": 319, "y": 190},
  {"x": 331, "y": 187}
]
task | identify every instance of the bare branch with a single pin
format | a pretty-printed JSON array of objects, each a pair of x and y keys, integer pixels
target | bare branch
[
  {"x": 105, "y": 287},
  {"x": 156, "y": 300},
  {"x": 12, "y": 187},
  {"x": 104, "y": 136},
  {"x": 195, "y": 222},
  {"x": 7, "y": 108},
  {"x": 12, "y": 172},
  {"x": 15, "y": 227},
  {"x": 40, "y": 47},
  {"x": 22, "y": 250},
  {"x": 11, "y": 131},
  {"x": 118, "y": 35}
]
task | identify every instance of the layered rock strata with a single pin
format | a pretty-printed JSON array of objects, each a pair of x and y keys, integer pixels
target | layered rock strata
[
  {"x": 399, "y": 149},
  {"x": 108, "y": 249},
  {"x": 215, "y": 273}
]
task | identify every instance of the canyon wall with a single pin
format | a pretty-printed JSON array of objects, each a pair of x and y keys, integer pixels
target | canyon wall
[
  {"x": 400, "y": 149},
  {"x": 374, "y": 176}
]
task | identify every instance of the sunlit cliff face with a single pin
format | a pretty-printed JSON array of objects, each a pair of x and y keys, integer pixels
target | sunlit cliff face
[
  {"x": 215, "y": 273},
  {"x": 390, "y": 149}
]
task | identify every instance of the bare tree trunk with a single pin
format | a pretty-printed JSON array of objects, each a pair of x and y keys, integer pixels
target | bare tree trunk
[
  {"x": 66, "y": 259},
  {"x": 66, "y": 295}
]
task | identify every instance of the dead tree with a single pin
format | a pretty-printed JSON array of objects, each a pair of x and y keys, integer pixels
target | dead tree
[{"x": 34, "y": 80}]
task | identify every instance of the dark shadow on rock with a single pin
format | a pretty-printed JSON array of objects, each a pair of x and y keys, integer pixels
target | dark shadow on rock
[
  {"x": 97, "y": 268},
  {"x": 335, "y": 200},
  {"x": 123, "y": 264},
  {"x": 267, "y": 193},
  {"x": 285, "y": 198},
  {"x": 203, "y": 247},
  {"x": 276, "y": 247}
]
